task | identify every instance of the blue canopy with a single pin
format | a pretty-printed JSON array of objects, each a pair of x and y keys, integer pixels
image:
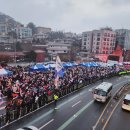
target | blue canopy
[
  {"x": 89, "y": 64},
  {"x": 67, "y": 64},
  {"x": 38, "y": 67}
]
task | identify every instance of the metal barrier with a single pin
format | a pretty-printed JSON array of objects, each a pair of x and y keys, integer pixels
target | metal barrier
[{"x": 15, "y": 114}]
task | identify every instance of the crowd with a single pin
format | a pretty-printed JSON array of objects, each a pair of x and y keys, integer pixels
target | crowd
[{"x": 33, "y": 89}]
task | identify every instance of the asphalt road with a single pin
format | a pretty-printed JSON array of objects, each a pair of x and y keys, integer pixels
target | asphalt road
[
  {"x": 77, "y": 111},
  {"x": 120, "y": 119}
]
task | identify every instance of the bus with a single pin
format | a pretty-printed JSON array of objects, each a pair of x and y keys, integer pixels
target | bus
[
  {"x": 126, "y": 102},
  {"x": 102, "y": 92}
]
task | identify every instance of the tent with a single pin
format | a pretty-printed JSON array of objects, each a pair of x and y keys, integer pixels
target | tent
[
  {"x": 5, "y": 72},
  {"x": 89, "y": 64},
  {"x": 67, "y": 64},
  {"x": 49, "y": 66},
  {"x": 38, "y": 67}
]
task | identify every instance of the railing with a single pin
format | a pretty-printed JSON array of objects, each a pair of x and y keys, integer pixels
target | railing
[{"x": 12, "y": 115}]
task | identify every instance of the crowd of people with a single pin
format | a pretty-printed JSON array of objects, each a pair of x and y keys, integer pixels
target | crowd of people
[{"x": 33, "y": 89}]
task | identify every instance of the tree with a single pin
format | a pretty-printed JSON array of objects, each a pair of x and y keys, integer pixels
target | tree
[
  {"x": 55, "y": 35},
  {"x": 32, "y": 26}
]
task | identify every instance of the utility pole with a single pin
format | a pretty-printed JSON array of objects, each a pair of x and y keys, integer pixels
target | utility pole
[{"x": 15, "y": 53}]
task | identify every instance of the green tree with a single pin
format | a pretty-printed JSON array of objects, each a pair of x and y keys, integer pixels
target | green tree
[{"x": 32, "y": 26}]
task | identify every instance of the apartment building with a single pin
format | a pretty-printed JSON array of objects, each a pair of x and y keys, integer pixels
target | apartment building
[
  {"x": 123, "y": 38},
  {"x": 99, "y": 41},
  {"x": 56, "y": 48},
  {"x": 23, "y": 32},
  {"x": 87, "y": 41}
]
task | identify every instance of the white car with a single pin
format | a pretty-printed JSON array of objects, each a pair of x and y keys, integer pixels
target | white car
[{"x": 28, "y": 128}]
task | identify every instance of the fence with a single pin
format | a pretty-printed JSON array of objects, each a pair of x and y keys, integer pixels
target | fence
[{"x": 12, "y": 115}]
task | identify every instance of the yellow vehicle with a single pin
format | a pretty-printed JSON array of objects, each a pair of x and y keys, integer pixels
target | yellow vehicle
[{"x": 126, "y": 102}]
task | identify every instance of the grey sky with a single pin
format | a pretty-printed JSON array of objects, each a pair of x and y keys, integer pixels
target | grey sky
[{"x": 70, "y": 15}]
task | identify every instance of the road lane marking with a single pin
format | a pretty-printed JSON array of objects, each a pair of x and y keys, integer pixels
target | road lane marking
[
  {"x": 76, "y": 103},
  {"x": 107, "y": 105},
  {"x": 63, "y": 126},
  {"x": 67, "y": 101},
  {"x": 50, "y": 111},
  {"x": 92, "y": 88},
  {"x": 111, "y": 114},
  {"x": 46, "y": 124}
]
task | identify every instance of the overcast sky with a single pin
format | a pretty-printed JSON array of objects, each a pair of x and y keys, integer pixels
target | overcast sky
[{"x": 70, "y": 15}]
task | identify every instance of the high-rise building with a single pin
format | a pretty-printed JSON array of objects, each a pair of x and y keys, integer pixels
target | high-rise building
[
  {"x": 123, "y": 38},
  {"x": 87, "y": 41},
  {"x": 99, "y": 41}
]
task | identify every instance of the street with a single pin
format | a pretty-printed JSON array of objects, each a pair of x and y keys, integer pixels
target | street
[{"x": 79, "y": 111}]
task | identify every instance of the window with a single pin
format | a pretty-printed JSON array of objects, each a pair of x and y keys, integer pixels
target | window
[
  {"x": 98, "y": 39},
  {"x": 104, "y": 39},
  {"x": 98, "y": 34},
  {"x": 84, "y": 43},
  {"x": 105, "y": 34},
  {"x": 97, "y": 43},
  {"x": 97, "y": 47},
  {"x": 85, "y": 35},
  {"x": 85, "y": 39}
]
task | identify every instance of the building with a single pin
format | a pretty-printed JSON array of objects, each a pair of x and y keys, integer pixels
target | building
[
  {"x": 56, "y": 48},
  {"x": 40, "y": 36},
  {"x": 7, "y": 23},
  {"x": 40, "y": 55},
  {"x": 123, "y": 38},
  {"x": 23, "y": 32},
  {"x": 3, "y": 29},
  {"x": 42, "y": 30},
  {"x": 87, "y": 41},
  {"x": 70, "y": 34},
  {"x": 99, "y": 41}
]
